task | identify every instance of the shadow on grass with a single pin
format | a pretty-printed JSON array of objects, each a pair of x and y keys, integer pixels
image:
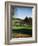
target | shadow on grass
[{"x": 23, "y": 31}]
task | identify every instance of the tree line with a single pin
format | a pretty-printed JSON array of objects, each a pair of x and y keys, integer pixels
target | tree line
[{"x": 28, "y": 20}]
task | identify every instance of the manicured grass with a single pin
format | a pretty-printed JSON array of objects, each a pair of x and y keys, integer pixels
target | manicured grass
[
  {"x": 23, "y": 27},
  {"x": 22, "y": 31}
]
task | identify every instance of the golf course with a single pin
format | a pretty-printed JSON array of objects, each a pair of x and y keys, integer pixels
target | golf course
[{"x": 22, "y": 31}]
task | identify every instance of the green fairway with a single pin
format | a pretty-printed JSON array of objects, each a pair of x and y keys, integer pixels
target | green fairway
[{"x": 23, "y": 27}]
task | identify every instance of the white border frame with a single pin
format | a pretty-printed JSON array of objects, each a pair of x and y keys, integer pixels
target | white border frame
[{"x": 8, "y": 24}]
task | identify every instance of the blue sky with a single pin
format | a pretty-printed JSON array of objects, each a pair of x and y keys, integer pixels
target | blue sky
[{"x": 23, "y": 12}]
